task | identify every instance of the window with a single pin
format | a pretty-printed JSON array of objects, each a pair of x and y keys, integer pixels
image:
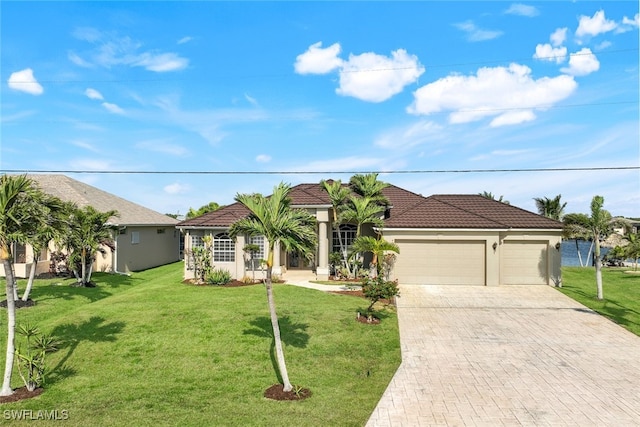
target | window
[
  {"x": 160, "y": 230},
  {"x": 348, "y": 234},
  {"x": 135, "y": 237},
  {"x": 19, "y": 253},
  {"x": 224, "y": 249},
  {"x": 197, "y": 242},
  {"x": 259, "y": 242}
]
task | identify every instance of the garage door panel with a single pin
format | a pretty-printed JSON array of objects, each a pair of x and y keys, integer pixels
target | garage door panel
[
  {"x": 441, "y": 262},
  {"x": 524, "y": 263}
]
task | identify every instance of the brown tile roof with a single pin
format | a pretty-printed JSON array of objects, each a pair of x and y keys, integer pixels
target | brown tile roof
[
  {"x": 71, "y": 190},
  {"x": 408, "y": 210}
]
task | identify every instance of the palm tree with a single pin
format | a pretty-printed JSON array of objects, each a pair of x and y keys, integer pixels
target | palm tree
[
  {"x": 369, "y": 187},
  {"x": 16, "y": 192},
  {"x": 490, "y": 196},
  {"x": 574, "y": 229},
  {"x": 360, "y": 211},
  {"x": 294, "y": 229},
  {"x": 88, "y": 231},
  {"x": 51, "y": 210},
  {"x": 338, "y": 194},
  {"x": 632, "y": 250},
  {"x": 377, "y": 247},
  {"x": 551, "y": 208}
]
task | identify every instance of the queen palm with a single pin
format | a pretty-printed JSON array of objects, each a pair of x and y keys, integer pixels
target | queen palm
[
  {"x": 369, "y": 187},
  {"x": 293, "y": 229},
  {"x": 16, "y": 192},
  {"x": 550, "y": 208},
  {"x": 338, "y": 194},
  {"x": 360, "y": 211}
]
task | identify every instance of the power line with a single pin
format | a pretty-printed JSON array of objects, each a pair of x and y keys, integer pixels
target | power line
[{"x": 381, "y": 172}]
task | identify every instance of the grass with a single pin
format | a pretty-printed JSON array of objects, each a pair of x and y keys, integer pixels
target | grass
[
  {"x": 621, "y": 290},
  {"x": 151, "y": 349}
]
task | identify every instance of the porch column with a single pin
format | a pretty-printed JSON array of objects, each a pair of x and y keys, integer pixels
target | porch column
[{"x": 322, "y": 269}]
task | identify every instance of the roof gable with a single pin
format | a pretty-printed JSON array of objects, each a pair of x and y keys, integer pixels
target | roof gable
[{"x": 71, "y": 190}]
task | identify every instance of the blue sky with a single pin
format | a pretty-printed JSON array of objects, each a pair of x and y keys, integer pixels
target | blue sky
[{"x": 325, "y": 87}]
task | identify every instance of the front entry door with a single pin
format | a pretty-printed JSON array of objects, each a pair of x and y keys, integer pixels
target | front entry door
[{"x": 296, "y": 261}]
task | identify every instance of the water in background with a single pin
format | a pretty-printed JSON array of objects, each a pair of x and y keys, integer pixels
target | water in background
[{"x": 569, "y": 253}]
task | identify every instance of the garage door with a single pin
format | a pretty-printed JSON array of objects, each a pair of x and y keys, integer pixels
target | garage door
[
  {"x": 440, "y": 262},
  {"x": 524, "y": 263}
]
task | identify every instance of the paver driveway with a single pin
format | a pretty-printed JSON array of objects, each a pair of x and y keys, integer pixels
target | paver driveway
[{"x": 516, "y": 355}]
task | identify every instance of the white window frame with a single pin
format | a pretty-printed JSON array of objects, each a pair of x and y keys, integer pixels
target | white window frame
[{"x": 224, "y": 248}]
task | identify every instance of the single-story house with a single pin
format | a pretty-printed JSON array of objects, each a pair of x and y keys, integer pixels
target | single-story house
[
  {"x": 145, "y": 238},
  {"x": 443, "y": 239}
]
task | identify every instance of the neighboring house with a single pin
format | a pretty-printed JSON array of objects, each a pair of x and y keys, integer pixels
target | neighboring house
[
  {"x": 144, "y": 239},
  {"x": 443, "y": 239}
]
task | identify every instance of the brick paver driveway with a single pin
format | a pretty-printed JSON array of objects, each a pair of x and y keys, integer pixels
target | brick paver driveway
[{"x": 517, "y": 355}]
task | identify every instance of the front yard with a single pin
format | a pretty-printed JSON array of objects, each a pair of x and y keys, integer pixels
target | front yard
[{"x": 152, "y": 349}]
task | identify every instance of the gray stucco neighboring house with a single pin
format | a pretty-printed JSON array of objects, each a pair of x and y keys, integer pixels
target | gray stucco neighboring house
[
  {"x": 145, "y": 238},
  {"x": 443, "y": 239}
]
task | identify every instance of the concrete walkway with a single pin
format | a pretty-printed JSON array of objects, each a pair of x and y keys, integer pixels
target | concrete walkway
[{"x": 509, "y": 356}]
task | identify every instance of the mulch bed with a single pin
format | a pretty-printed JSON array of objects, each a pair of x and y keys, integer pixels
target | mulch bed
[
  {"x": 21, "y": 394},
  {"x": 276, "y": 392},
  {"x": 19, "y": 303},
  {"x": 232, "y": 284}
]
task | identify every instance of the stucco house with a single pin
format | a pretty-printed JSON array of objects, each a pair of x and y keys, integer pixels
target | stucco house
[
  {"x": 145, "y": 238},
  {"x": 443, "y": 239}
]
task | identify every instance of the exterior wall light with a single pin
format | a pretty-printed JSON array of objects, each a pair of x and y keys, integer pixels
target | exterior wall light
[
  {"x": 558, "y": 246},
  {"x": 495, "y": 246}
]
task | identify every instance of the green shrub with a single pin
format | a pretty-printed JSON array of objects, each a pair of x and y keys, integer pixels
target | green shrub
[
  {"x": 375, "y": 289},
  {"x": 218, "y": 276}
]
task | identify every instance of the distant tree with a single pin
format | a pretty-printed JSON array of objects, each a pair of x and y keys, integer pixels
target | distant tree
[
  {"x": 210, "y": 207},
  {"x": 632, "y": 250},
  {"x": 174, "y": 216},
  {"x": 490, "y": 196},
  {"x": 88, "y": 232},
  {"x": 294, "y": 229},
  {"x": 550, "y": 208}
]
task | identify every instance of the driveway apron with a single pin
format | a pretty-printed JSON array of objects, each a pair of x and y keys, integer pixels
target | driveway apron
[{"x": 509, "y": 356}]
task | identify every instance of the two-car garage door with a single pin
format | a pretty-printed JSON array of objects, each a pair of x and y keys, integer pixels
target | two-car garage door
[
  {"x": 463, "y": 262},
  {"x": 440, "y": 262}
]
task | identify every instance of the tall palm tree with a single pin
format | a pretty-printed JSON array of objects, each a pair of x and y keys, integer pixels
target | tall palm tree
[
  {"x": 360, "y": 211},
  {"x": 338, "y": 194},
  {"x": 574, "y": 229},
  {"x": 88, "y": 232},
  {"x": 16, "y": 192},
  {"x": 375, "y": 246},
  {"x": 294, "y": 229},
  {"x": 369, "y": 187},
  {"x": 551, "y": 208}
]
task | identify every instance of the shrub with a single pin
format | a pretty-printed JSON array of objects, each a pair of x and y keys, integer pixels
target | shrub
[
  {"x": 375, "y": 289},
  {"x": 218, "y": 276},
  {"x": 31, "y": 361}
]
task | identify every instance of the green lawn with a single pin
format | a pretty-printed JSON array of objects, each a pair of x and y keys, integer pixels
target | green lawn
[
  {"x": 621, "y": 291},
  {"x": 150, "y": 350}
]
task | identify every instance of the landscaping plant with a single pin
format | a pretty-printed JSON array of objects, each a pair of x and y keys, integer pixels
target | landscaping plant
[{"x": 31, "y": 361}]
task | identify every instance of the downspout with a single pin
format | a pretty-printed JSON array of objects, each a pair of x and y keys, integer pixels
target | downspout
[{"x": 114, "y": 255}]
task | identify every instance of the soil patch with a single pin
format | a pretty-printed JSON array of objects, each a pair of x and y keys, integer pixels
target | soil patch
[
  {"x": 19, "y": 303},
  {"x": 364, "y": 319},
  {"x": 276, "y": 392},
  {"x": 21, "y": 394}
]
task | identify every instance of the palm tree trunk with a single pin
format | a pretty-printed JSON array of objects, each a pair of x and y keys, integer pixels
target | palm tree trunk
[
  {"x": 83, "y": 260},
  {"x": 11, "y": 324},
  {"x": 579, "y": 254},
  {"x": 32, "y": 275},
  {"x": 282, "y": 366},
  {"x": 596, "y": 256}
]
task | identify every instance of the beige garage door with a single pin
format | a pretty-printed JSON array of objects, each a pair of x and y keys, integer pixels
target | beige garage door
[
  {"x": 524, "y": 263},
  {"x": 440, "y": 262}
]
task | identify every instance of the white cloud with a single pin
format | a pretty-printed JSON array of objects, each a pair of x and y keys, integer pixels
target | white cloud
[
  {"x": 592, "y": 26},
  {"x": 93, "y": 94},
  {"x": 162, "y": 62},
  {"x": 176, "y": 188},
  {"x": 113, "y": 50},
  {"x": 85, "y": 145},
  {"x": 251, "y": 100},
  {"x": 184, "y": 40},
  {"x": 508, "y": 94},
  {"x": 476, "y": 34},
  {"x": 522, "y": 10},
  {"x": 376, "y": 78},
  {"x": 629, "y": 24},
  {"x": 546, "y": 52},
  {"x": 263, "y": 158},
  {"x": 317, "y": 60},
  {"x": 112, "y": 108},
  {"x": 558, "y": 36},
  {"x": 582, "y": 63},
  {"x": 164, "y": 147},
  {"x": 24, "y": 81}
]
